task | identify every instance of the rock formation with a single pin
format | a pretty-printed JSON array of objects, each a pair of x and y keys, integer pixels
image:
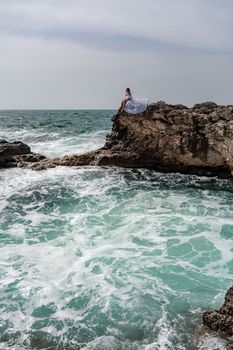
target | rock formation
[
  {"x": 167, "y": 138},
  {"x": 14, "y": 154},
  {"x": 222, "y": 320}
]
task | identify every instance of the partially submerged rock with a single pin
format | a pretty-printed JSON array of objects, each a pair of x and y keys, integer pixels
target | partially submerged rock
[
  {"x": 13, "y": 154},
  {"x": 222, "y": 320},
  {"x": 167, "y": 138}
]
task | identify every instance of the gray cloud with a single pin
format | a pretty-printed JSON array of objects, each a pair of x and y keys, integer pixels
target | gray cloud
[
  {"x": 195, "y": 24},
  {"x": 57, "y": 53}
]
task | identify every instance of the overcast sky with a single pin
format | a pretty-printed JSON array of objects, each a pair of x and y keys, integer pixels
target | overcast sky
[{"x": 83, "y": 53}]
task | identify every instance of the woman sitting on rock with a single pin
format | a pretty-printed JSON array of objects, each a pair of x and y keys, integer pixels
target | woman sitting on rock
[{"x": 131, "y": 105}]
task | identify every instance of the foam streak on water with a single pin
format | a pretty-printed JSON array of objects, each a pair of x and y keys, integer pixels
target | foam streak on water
[{"x": 108, "y": 258}]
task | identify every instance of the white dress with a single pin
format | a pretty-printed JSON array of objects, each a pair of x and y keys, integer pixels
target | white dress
[{"x": 134, "y": 106}]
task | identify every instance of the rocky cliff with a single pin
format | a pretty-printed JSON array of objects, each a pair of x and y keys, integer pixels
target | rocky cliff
[{"x": 167, "y": 138}]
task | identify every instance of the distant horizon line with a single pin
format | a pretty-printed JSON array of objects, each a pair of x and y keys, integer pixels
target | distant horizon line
[{"x": 58, "y": 109}]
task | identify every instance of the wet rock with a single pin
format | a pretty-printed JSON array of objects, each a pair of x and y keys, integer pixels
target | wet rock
[
  {"x": 17, "y": 153},
  {"x": 222, "y": 320}
]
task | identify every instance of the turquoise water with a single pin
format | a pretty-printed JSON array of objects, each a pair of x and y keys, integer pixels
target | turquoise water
[{"x": 106, "y": 258}]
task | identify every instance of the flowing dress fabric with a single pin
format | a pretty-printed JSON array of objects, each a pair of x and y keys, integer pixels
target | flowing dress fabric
[{"x": 134, "y": 106}]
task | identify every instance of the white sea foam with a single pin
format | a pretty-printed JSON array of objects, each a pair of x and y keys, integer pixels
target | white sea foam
[
  {"x": 211, "y": 342},
  {"x": 51, "y": 144},
  {"x": 125, "y": 249}
]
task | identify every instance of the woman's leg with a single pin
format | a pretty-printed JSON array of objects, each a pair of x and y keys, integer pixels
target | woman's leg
[{"x": 121, "y": 108}]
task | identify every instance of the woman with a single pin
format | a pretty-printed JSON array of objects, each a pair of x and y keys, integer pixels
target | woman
[
  {"x": 128, "y": 96},
  {"x": 131, "y": 105}
]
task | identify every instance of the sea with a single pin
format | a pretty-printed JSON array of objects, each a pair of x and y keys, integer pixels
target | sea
[{"x": 107, "y": 258}]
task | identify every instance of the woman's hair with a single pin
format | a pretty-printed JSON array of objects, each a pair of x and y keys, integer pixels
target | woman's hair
[{"x": 128, "y": 91}]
